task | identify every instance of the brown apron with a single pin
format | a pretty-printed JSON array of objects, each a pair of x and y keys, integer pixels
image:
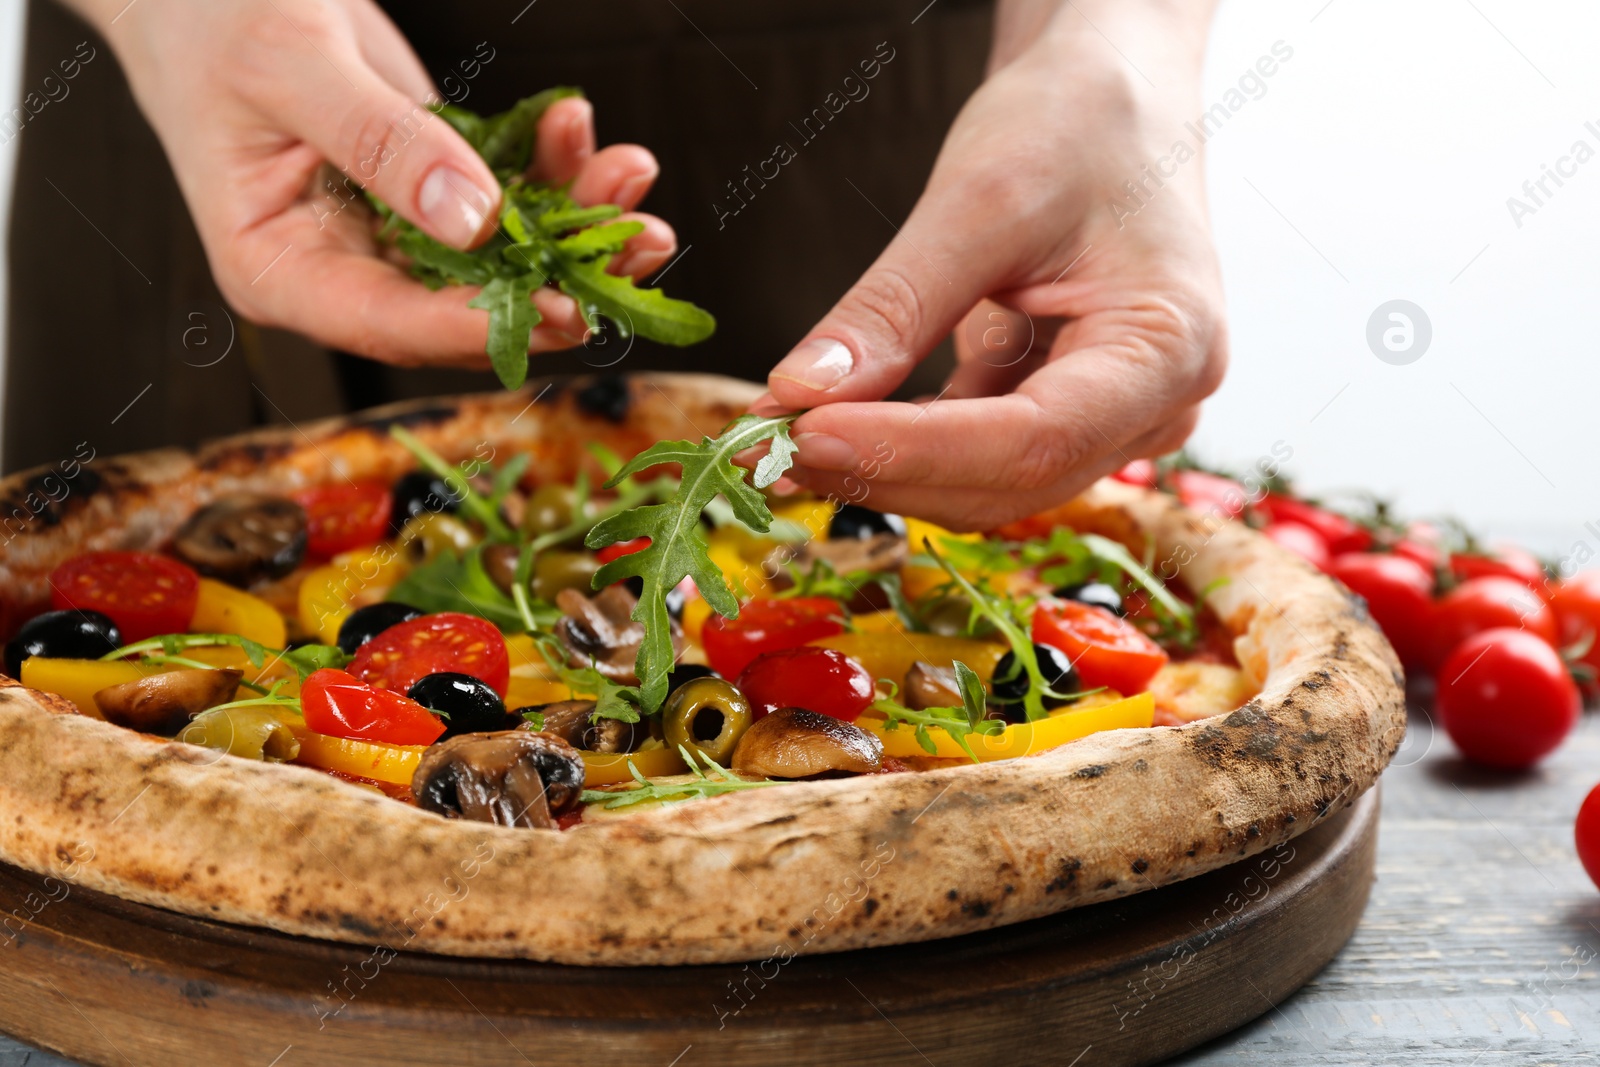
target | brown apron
[{"x": 779, "y": 163}]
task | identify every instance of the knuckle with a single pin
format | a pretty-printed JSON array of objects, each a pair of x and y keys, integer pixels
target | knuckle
[
  {"x": 1052, "y": 452},
  {"x": 366, "y": 141},
  {"x": 885, "y": 304}
]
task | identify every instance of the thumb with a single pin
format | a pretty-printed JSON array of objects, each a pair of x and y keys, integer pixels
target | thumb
[
  {"x": 396, "y": 148},
  {"x": 905, "y": 304}
]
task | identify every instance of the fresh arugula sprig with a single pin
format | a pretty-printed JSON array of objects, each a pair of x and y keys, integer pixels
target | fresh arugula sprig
[
  {"x": 993, "y": 609},
  {"x": 484, "y": 510},
  {"x": 970, "y": 718},
  {"x": 544, "y": 237},
  {"x": 677, "y": 546},
  {"x": 700, "y": 786},
  {"x": 611, "y": 700},
  {"x": 270, "y": 698},
  {"x": 459, "y": 582},
  {"x": 165, "y": 648}
]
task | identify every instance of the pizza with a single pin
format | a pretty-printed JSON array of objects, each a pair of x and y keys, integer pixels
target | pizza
[{"x": 543, "y": 674}]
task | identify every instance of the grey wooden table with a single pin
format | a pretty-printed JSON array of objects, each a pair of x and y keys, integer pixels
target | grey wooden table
[{"x": 1480, "y": 946}]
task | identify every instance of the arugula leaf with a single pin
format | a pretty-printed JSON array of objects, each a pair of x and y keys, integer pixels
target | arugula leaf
[
  {"x": 970, "y": 718},
  {"x": 545, "y": 236},
  {"x": 451, "y": 582},
  {"x": 512, "y": 317},
  {"x": 677, "y": 546},
  {"x": 305, "y": 660},
  {"x": 700, "y": 786},
  {"x": 470, "y": 502},
  {"x": 308, "y": 659}
]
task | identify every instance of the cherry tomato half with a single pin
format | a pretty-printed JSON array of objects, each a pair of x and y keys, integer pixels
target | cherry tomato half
[
  {"x": 622, "y": 548},
  {"x": 1302, "y": 540},
  {"x": 1211, "y": 493},
  {"x": 1399, "y": 596},
  {"x": 344, "y": 517},
  {"x": 1104, "y": 649},
  {"x": 1340, "y": 533},
  {"x": 1587, "y": 833},
  {"x": 823, "y": 680},
  {"x": 1576, "y": 603},
  {"x": 1138, "y": 472},
  {"x": 768, "y": 625},
  {"x": 144, "y": 594},
  {"x": 1488, "y": 603},
  {"x": 1505, "y": 698},
  {"x": 433, "y": 644},
  {"x": 1505, "y": 561},
  {"x": 341, "y": 705}
]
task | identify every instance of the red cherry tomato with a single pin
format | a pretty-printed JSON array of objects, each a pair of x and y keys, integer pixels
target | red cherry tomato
[
  {"x": 1506, "y": 561},
  {"x": 622, "y": 548},
  {"x": 1399, "y": 596},
  {"x": 767, "y": 626},
  {"x": 1138, "y": 472},
  {"x": 1505, "y": 698},
  {"x": 1489, "y": 603},
  {"x": 1204, "y": 493},
  {"x": 1340, "y": 533},
  {"x": 340, "y": 705},
  {"x": 344, "y": 517},
  {"x": 1576, "y": 603},
  {"x": 448, "y": 641},
  {"x": 144, "y": 594},
  {"x": 1302, "y": 540},
  {"x": 1587, "y": 833},
  {"x": 1105, "y": 650},
  {"x": 823, "y": 680}
]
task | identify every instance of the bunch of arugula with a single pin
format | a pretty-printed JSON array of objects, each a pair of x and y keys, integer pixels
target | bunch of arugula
[{"x": 544, "y": 237}]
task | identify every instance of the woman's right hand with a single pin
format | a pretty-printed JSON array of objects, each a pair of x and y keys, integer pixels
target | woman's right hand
[{"x": 252, "y": 98}]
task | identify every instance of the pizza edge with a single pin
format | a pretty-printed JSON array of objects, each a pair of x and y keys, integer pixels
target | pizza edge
[{"x": 817, "y": 867}]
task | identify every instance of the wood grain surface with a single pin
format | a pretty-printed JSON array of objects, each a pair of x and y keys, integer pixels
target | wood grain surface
[{"x": 1480, "y": 945}]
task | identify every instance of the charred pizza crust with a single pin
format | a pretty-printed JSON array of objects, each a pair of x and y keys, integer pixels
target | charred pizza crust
[{"x": 815, "y": 867}]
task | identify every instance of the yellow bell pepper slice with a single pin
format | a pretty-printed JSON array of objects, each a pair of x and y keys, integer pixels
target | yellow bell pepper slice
[
  {"x": 526, "y": 692},
  {"x": 890, "y": 655},
  {"x": 222, "y": 609},
  {"x": 362, "y": 759},
  {"x": 329, "y": 593},
  {"x": 878, "y": 622},
  {"x": 1021, "y": 739},
  {"x": 80, "y": 679},
  {"x": 607, "y": 768},
  {"x": 916, "y": 580},
  {"x": 695, "y": 613},
  {"x": 233, "y": 656}
]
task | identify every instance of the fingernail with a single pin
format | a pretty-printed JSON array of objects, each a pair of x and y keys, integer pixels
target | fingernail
[
  {"x": 820, "y": 363},
  {"x": 630, "y": 192},
  {"x": 453, "y": 205},
  {"x": 825, "y": 452},
  {"x": 579, "y": 143}
]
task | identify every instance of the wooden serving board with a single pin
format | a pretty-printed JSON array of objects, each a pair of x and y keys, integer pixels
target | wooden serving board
[{"x": 1131, "y": 981}]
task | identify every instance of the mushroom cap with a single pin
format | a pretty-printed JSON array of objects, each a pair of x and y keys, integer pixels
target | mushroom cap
[
  {"x": 796, "y": 743},
  {"x": 164, "y": 703},
  {"x": 243, "y": 536},
  {"x": 600, "y": 630},
  {"x": 928, "y": 686},
  {"x": 569, "y": 720},
  {"x": 508, "y": 777}
]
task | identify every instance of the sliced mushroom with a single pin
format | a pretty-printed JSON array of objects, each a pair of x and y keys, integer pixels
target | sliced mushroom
[
  {"x": 598, "y": 629},
  {"x": 569, "y": 720},
  {"x": 243, "y": 537},
  {"x": 509, "y": 778},
  {"x": 928, "y": 686},
  {"x": 880, "y": 553},
  {"x": 795, "y": 743},
  {"x": 164, "y": 703}
]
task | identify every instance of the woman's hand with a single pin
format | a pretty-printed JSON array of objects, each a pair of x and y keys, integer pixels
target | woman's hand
[
  {"x": 254, "y": 99},
  {"x": 1088, "y": 322}
]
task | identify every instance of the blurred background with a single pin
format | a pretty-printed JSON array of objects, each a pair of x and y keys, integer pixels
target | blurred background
[{"x": 1375, "y": 165}]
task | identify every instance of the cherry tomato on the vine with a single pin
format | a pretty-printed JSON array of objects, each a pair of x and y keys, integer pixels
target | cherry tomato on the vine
[
  {"x": 1576, "y": 603},
  {"x": 343, "y": 517},
  {"x": 1504, "y": 561},
  {"x": 1339, "y": 533},
  {"x": 1399, "y": 596},
  {"x": 144, "y": 594},
  {"x": 1587, "y": 833},
  {"x": 1302, "y": 540},
  {"x": 823, "y": 680},
  {"x": 1204, "y": 492},
  {"x": 1505, "y": 698},
  {"x": 1488, "y": 603},
  {"x": 1104, "y": 649},
  {"x": 341, "y": 705},
  {"x": 433, "y": 644},
  {"x": 767, "y": 625}
]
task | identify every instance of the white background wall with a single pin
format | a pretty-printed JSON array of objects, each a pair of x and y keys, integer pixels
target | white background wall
[{"x": 1377, "y": 166}]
